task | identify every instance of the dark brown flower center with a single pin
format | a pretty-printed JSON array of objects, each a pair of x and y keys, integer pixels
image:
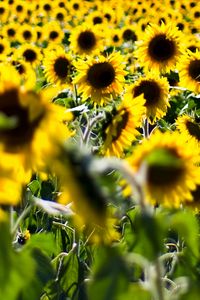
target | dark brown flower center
[
  {"x": 11, "y": 32},
  {"x": 86, "y": 40},
  {"x": 164, "y": 168},
  {"x": 161, "y": 48},
  {"x": 19, "y": 8},
  {"x": 47, "y": 7},
  {"x": 30, "y": 55},
  {"x": 1, "y": 48},
  {"x": 27, "y": 35},
  {"x": 194, "y": 129},
  {"x": 180, "y": 26},
  {"x": 101, "y": 75},
  {"x": 62, "y": 67},
  {"x": 194, "y": 69},
  {"x": 107, "y": 16},
  {"x": 115, "y": 38},
  {"x": 2, "y": 10},
  {"x": 22, "y": 133},
  {"x": 76, "y": 6},
  {"x": 151, "y": 91},
  {"x": 60, "y": 17},
  {"x": 97, "y": 20},
  {"x": 129, "y": 35},
  {"x": 53, "y": 35}
]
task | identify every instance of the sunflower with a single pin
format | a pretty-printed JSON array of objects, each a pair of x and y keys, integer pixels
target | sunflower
[
  {"x": 156, "y": 93},
  {"x": 188, "y": 126},
  {"x": 53, "y": 32},
  {"x": 120, "y": 129},
  {"x": 26, "y": 34},
  {"x": 30, "y": 53},
  {"x": 10, "y": 30},
  {"x": 160, "y": 49},
  {"x": 189, "y": 71},
  {"x": 80, "y": 187},
  {"x": 114, "y": 38},
  {"x": 168, "y": 166},
  {"x": 86, "y": 40},
  {"x": 100, "y": 78},
  {"x": 58, "y": 67},
  {"x": 34, "y": 122},
  {"x": 129, "y": 33},
  {"x": 19, "y": 11},
  {"x": 60, "y": 15}
]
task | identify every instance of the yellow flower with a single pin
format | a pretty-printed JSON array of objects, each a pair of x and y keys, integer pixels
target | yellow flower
[
  {"x": 189, "y": 71},
  {"x": 190, "y": 128},
  {"x": 86, "y": 40},
  {"x": 26, "y": 34},
  {"x": 58, "y": 67},
  {"x": 53, "y": 32},
  {"x": 156, "y": 93},
  {"x": 30, "y": 53},
  {"x": 80, "y": 188},
  {"x": 120, "y": 130},
  {"x": 160, "y": 48},
  {"x": 100, "y": 78},
  {"x": 34, "y": 122},
  {"x": 169, "y": 168}
]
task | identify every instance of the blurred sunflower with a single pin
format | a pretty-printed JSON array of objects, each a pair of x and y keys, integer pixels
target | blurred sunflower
[
  {"x": 58, "y": 67},
  {"x": 80, "y": 187},
  {"x": 100, "y": 78},
  {"x": 169, "y": 168},
  {"x": 10, "y": 30},
  {"x": 86, "y": 40},
  {"x": 160, "y": 49},
  {"x": 30, "y": 53},
  {"x": 34, "y": 121},
  {"x": 188, "y": 126},
  {"x": 120, "y": 129},
  {"x": 156, "y": 94},
  {"x": 129, "y": 33},
  {"x": 53, "y": 32},
  {"x": 26, "y": 34},
  {"x": 189, "y": 71}
]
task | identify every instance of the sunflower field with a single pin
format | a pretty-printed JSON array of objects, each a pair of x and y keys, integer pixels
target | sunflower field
[{"x": 100, "y": 150}]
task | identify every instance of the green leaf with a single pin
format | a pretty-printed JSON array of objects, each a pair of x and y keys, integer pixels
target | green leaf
[
  {"x": 185, "y": 223},
  {"x": 34, "y": 186},
  {"x": 135, "y": 291},
  {"x": 110, "y": 275}
]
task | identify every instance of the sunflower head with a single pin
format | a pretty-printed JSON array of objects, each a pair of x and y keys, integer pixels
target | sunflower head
[
  {"x": 189, "y": 127},
  {"x": 160, "y": 49},
  {"x": 189, "y": 71},
  {"x": 121, "y": 127},
  {"x": 169, "y": 169},
  {"x": 100, "y": 78},
  {"x": 86, "y": 40},
  {"x": 155, "y": 90},
  {"x": 58, "y": 67}
]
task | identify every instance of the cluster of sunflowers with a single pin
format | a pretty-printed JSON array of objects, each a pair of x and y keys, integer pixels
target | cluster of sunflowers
[{"x": 101, "y": 74}]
